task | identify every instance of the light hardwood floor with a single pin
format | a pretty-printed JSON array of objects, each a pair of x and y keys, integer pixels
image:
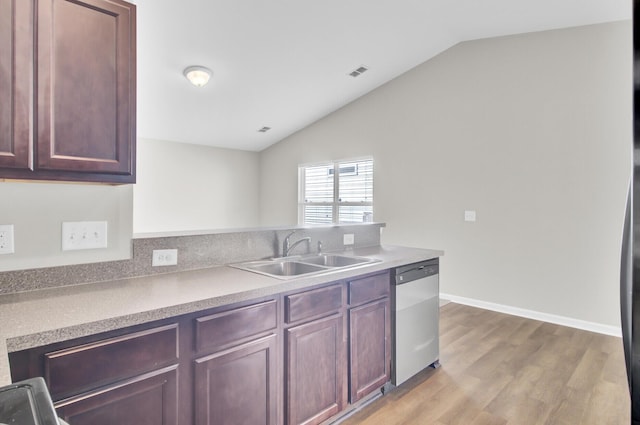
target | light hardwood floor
[{"x": 499, "y": 369}]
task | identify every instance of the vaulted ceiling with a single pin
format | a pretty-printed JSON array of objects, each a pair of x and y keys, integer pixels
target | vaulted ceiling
[{"x": 284, "y": 64}]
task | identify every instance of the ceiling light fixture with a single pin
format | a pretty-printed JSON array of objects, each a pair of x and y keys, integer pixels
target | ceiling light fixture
[{"x": 197, "y": 75}]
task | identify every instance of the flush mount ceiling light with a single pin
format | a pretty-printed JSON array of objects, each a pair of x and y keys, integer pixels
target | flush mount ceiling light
[{"x": 197, "y": 75}]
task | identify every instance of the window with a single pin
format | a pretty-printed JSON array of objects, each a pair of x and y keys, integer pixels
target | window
[{"x": 336, "y": 192}]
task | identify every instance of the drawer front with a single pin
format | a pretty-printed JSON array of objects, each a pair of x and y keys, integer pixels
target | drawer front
[
  {"x": 151, "y": 398},
  {"x": 223, "y": 328},
  {"x": 313, "y": 303},
  {"x": 369, "y": 288},
  {"x": 73, "y": 370}
]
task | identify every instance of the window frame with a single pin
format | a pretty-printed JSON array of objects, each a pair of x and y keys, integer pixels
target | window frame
[{"x": 336, "y": 203}]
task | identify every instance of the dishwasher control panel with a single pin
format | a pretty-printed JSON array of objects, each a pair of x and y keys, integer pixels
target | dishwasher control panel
[{"x": 416, "y": 271}]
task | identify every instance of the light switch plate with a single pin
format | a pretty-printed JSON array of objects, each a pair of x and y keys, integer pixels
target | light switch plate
[
  {"x": 348, "y": 239},
  {"x": 164, "y": 257},
  {"x": 470, "y": 215},
  {"x": 77, "y": 235},
  {"x": 6, "y": 239}
]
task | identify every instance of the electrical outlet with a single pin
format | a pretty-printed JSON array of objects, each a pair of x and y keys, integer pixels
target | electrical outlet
[
  {"x": 6, "y": 239},
  {"x": 164, "y": 257},
  {"x": 470, "y": 215},
  {"x": 84, "y": 235},
  {"x": 348, "y": 239}
]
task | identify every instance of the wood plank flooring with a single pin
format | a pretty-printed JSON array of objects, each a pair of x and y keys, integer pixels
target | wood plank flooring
[{"x": 499, "y": 369}]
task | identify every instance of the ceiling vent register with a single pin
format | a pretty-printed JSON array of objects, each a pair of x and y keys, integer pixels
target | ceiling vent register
[{"x": 359, "y": 71}]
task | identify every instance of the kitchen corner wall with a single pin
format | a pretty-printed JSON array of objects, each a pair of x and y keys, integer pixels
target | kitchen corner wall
[
  {"x": 532, "y": 131},
  {"x": 180, "y": 187},
  {"x": 37, "y": 211},
  {"x": 185, "y": 187}
]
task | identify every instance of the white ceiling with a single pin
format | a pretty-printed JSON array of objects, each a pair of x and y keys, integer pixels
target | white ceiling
[{"x": 285, "y": 63}]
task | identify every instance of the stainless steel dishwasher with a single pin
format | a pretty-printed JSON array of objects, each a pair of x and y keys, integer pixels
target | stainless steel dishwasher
[{"x": 416, "y": 313}]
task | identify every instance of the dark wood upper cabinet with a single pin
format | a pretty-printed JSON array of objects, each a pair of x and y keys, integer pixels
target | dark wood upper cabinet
[
  {"x": 83, "y": 91},
  {"x": 16, "y": 88}
]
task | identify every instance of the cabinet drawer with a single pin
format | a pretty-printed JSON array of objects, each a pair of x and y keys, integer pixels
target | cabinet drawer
[
  {"x": 312, "y": 303},
  {"x": 149, "y": 398},
  {"x": 223, "y": 328},
  {"x": 84, "y": 367},
  {"x": 369, "y": 288}
]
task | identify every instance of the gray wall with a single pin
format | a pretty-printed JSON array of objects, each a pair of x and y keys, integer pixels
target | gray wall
[
  {"x": 190, "y": 187},
  {"x": 180, "y": 187},
  {"x": 532, "y": 131},
  {"x": 37, "y": 211}
]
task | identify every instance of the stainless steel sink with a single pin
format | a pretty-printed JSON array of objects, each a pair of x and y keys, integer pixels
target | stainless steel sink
[
  {"x": 335, "y": 260},
  {"x": 284, "y": 268},
  {"x": 290, "y": 267}
]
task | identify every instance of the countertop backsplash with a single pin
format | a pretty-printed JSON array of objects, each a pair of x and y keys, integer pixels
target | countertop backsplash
[{"x": 194, "y": 252}]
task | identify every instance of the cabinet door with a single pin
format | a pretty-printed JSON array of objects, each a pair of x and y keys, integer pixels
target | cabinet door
[
  {"x": 370, "y": 348},
  {"x": 16, "y": 76},
  {"x": 238, "y": 386},
  {"x": 315, "y": 371},
  {"x": 150, "y": 399},
  {"x": 86, "y": 86}
]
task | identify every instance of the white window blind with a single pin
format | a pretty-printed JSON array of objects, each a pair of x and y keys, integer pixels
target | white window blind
[{"x": 336, "y": 192}]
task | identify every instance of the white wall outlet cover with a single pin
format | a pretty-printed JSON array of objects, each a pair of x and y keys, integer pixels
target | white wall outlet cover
[
  {"x": 348, "y": 239},
  {"x": 164, "y": 257},
  {"x": 6, "y": 239},
  {"x": 77, "y": 235},
  {"x": 470, "y": 215}
]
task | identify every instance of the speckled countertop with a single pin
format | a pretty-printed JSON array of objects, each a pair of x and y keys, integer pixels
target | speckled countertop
[{"x": 36, "y": 318}]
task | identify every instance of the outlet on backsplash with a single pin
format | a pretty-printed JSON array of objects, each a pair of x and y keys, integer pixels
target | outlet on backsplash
[
  {"x": 348, "y": 239},
  {"x": 6, "y": 239},
  {"x": 164, "y": 257}
]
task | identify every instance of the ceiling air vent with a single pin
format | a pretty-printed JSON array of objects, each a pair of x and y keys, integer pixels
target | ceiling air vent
[
  {"x": 359, "y": 71},
  {"x": 264, "y": 129}
]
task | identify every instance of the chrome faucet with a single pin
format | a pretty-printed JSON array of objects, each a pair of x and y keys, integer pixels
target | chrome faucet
[{"x": 287, "y": 246}]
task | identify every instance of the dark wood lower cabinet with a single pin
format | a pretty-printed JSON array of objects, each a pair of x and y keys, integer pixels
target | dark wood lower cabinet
[
  {"x": 290, "y": 359},
  {"x": 82, "y": 368},
  {"x": 215, "y": 367},
  {"x": 315, "y": 370},
  {"x": 238, "y": 386},
  {"x": 370, "y": 348},
  {"x": 150, "y": 399}
]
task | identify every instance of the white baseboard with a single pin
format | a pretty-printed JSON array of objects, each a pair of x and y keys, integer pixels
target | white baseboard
[{"x": 536, "y": 315}]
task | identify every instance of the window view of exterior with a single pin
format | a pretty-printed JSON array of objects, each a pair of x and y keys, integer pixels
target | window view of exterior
[{"x": 336, "y": 192}]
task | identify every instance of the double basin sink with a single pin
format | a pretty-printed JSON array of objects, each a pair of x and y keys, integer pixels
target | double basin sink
[{"x": 290, "y": 267}]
